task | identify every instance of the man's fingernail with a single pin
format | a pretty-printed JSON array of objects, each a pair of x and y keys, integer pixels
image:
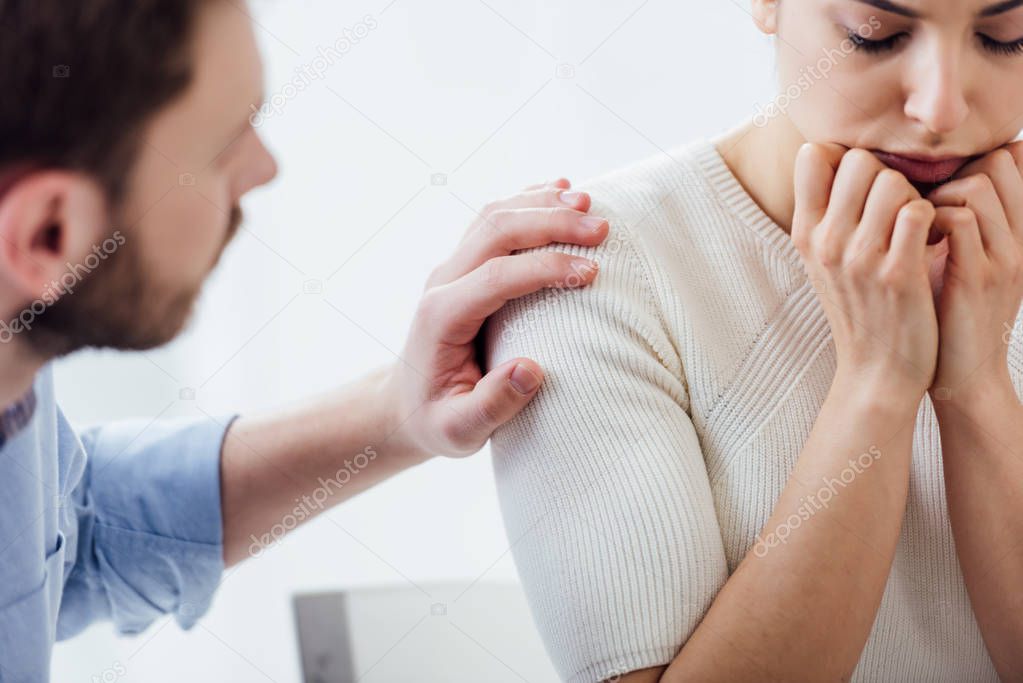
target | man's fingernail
[
  {"x": 523, "y": 379},
  {"x": 593, "y": 223},
  {"x": 571, "y": 198}
]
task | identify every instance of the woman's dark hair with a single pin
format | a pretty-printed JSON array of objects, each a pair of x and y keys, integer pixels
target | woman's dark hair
[{"x": 80, "y": 78}]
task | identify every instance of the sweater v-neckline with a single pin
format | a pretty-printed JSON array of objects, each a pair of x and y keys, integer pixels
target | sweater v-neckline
[{"x": 741, "y": 204}]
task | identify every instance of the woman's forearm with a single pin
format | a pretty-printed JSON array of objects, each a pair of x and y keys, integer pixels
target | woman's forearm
[
  {"x": 980, "y": 441},
  {"x": 801, "y": 604}
]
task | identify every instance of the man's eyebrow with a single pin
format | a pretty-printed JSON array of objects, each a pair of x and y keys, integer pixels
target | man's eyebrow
[{"x": 990, "y": 11}]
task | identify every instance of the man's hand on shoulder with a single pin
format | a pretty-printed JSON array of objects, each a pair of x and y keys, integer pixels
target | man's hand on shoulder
[{"x": 443, "y": 403}]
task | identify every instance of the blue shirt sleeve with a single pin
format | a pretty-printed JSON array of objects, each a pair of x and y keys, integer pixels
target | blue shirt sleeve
[{"x": 149, "y": 525}]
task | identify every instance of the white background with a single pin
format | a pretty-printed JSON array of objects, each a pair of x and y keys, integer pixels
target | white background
[{"x": 466, "y": 88}]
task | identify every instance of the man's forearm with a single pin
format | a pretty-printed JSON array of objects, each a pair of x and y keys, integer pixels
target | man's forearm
[
  {"x": 281, "y": 470},
  {"x": 982, "y": 451}
]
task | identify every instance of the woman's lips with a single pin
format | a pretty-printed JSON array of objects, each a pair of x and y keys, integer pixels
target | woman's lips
[
  {"x": 925, "y": 173},
  {"x": 919, "y": 169}
]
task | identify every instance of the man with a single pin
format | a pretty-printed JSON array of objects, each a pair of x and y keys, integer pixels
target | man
[{"x": 107, "y": 103}]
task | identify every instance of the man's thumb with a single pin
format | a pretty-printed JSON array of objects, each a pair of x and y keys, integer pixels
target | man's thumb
[{"x": 499, "y": 396}]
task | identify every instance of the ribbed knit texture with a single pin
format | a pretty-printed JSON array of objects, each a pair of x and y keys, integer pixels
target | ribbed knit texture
[{"x": 680, "y": 389}]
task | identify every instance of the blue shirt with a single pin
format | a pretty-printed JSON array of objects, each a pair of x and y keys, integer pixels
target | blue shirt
[{"x": 122, "y": 523}]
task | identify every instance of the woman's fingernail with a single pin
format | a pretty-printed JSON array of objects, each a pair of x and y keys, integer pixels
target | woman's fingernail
[
  {"x": 593, "y": 223},
  {"x": 585, "y": 264},
  {"x": 571, "y": 198},
  {"x": 523, "y": 379}
]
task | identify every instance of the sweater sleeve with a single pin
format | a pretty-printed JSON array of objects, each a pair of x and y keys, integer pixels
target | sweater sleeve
[{"x": 601, "y": 479}]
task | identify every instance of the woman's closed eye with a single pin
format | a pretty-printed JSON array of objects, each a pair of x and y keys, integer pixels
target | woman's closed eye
[
  {"x": 1012, "y": 47},
  {"x": 876, "y": 46},
  {"x": 998, "y": 47}
]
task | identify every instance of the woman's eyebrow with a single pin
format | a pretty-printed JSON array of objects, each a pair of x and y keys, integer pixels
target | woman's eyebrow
[
  {"x": 990, "y": 11},
  {"x": 887, "y": 6},
  {"x": 1000, "y": 8}
]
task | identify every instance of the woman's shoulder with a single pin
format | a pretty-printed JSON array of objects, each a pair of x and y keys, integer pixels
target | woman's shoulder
[
  {"x": 691, "y": 220},
  {"x": 671, "y": 204},
  {"x": 645, "y": 187}
]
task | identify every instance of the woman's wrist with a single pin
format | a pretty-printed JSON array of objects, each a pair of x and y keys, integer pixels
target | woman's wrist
[
  {"x": 978, "y": 396},
  {"x": 878, "y": 389}
]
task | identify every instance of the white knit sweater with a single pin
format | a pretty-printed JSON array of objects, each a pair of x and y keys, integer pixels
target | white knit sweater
[{"x": 680, "y": 389}]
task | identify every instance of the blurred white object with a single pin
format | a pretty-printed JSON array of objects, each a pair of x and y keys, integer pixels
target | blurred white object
[{"x": 444, "y": 632}]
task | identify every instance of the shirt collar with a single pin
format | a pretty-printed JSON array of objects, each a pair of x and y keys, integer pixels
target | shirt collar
[{"x": 14, "y": 418}]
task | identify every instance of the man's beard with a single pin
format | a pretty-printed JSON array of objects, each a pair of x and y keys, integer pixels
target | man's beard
[{"x": 118, "y": 306}]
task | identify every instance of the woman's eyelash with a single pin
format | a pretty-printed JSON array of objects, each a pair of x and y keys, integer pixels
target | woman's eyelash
[
  {"x": 875, "y": 46},
  {"x": 1014, "y": 47}
]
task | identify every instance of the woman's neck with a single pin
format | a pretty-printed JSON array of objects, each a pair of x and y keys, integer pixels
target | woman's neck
[{"x": 763, "y": 159}]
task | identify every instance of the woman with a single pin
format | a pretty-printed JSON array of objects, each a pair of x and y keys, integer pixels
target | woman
[{"x": 778, "y": 437}]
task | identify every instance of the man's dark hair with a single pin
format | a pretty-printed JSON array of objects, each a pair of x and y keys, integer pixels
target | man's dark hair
[{"x": 80, "y": 78}]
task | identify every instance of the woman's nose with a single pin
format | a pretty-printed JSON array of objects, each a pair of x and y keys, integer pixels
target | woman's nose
[{"x": 936, "y": 96}]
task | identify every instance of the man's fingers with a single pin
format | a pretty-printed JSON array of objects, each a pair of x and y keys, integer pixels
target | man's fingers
[
  {"x": 547, "y": 196},
  {"x": 562, "y": 183},
  {"x": 510, "y": 230},
  {"x": 543, "y": 197},
  {"x": 496, "y": 398},
  {"x": 457, "y": 310}
]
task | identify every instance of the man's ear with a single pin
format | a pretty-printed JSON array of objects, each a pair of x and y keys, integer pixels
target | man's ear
[
  {"x": 47, "y": 220},
  {"x": 765, "y": 15}
]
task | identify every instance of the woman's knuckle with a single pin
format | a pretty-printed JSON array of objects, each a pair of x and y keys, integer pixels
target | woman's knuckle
[
  {"x": 916, "y": 212},
  {"x": 492, "y": 273},
  {"x": 892, "y": 276},
  {"x": 1002, "y": 158},
  {"x": 890, "y": 178},
  {"x": 830, "y": 256},
  {"x": 861, "y": 160},
  {"x": 978, "y": 184},
  {"x": 962, "y": 218}
]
